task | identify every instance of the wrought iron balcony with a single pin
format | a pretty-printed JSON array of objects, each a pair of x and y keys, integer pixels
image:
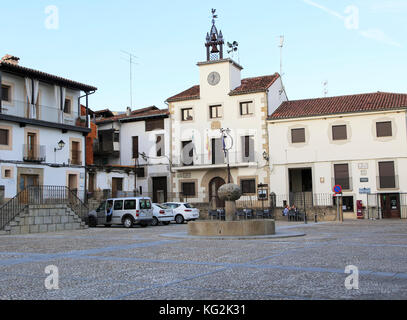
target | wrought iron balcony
[
  {"x": 34, "y": 153},
  {"x": 219, "y": 159}
]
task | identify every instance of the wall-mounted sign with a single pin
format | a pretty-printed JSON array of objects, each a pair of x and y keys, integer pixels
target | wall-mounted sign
[
  {"x": 364, "y": 190},
  {"x": 363, "y": 165},
  {"x": 363, "y": 172},
  {"x": 364, "y": 179}
]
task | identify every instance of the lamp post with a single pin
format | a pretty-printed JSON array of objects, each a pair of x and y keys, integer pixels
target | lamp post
[{"x": 225, "y": 133}]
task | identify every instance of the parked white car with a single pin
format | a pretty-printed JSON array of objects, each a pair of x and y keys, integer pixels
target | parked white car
[
  {"x": 123, "y": 211},
  {"x": 183, "y": 211},
  {"x": 162, "y": 214}
]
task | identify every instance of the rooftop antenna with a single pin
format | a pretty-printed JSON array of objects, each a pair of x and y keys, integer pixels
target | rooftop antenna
[
  {"x": 131, "y": 63},
  {"x": 281, "y": 44},
  {"x": 325, "y": 85}
]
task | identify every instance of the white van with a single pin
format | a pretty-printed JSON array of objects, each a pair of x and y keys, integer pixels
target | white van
[{"x": 123, "y": 211}]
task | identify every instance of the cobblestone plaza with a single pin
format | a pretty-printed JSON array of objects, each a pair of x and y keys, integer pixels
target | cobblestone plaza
[{"x": 142, "y": 263}]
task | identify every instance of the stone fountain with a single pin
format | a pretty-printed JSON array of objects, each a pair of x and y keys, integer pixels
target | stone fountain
[{"x": 231, "y": 227}]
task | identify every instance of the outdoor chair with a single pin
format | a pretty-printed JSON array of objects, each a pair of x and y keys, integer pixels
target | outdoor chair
[
  {"x": 221, "y": 214},
  {"x": 249, "y": 213},
  {"x": 267, "y": 214},
  {"x": 259, "y": 213},
  {"x": 291, "y": 215},
  {"x": 240, "y": 213},
  {"x": 213, "y": 214}
]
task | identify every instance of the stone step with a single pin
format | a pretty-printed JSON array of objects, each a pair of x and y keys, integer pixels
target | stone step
[{"x": 4, "y": 233}]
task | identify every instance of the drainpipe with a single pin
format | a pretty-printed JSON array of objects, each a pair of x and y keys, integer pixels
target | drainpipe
[{"x": 87, "y": 125}]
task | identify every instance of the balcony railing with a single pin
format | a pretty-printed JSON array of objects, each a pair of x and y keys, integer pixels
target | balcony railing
[
  {"x": 76, "y": 157},
  {"x": 207, "y": 159},
  {"x": 41, "y": 112},
  {"x": 34, "y": 153}
]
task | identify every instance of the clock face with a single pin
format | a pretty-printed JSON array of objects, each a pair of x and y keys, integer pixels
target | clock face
[{"x": 213, "y": 78}]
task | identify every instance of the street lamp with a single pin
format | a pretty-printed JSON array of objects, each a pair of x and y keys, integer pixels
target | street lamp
[{"x": 61, "y": 145}]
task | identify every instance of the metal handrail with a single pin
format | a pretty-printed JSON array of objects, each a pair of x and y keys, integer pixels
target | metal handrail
[{"x": 41, "y": 195}]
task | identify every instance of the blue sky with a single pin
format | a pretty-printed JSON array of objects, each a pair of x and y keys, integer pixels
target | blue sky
[{"x": 168, "y": 39}]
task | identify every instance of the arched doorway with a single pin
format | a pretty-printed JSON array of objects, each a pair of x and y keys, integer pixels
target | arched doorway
[{"x": 214, "y": 185}]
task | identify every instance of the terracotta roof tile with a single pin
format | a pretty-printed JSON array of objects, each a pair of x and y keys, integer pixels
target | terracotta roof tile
[
  {"x": 377, "y": 101},
  {"x": 248, "y": 85},
  {"x": 140, "y": 113}
]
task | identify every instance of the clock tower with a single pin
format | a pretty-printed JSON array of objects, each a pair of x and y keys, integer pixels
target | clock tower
[{"x": 218, "y": 75}]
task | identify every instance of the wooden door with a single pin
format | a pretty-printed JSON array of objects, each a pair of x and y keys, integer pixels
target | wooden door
[
  {"x": 117, "y": 185},
  {"x": 159, "y": 189},
  {"x": 31, "y": 145},
  {"x": 26, "y": 181},
  {"x": 390, "y": 204}
]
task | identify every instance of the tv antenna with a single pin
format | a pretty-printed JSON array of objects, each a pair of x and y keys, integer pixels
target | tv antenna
[
  {"x": 131, "y": 63},
  {"x": 281, "y": 45},
  {"x": 325, "y": 86}
]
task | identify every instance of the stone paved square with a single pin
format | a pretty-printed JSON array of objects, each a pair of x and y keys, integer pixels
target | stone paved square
[{"x": 143, "y": 263}]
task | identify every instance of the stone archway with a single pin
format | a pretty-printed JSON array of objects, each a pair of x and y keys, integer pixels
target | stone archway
[
  {"x": 207, "y": 178},
  {"x": 213, "y": 188}
]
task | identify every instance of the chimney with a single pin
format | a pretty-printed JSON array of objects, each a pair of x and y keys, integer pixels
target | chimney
[
  {"x": 128, "y": 111},
  {"x": 10, "y": 59}
]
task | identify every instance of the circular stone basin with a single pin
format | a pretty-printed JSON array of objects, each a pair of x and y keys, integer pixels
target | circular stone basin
[{"x": 232, "y": 228}]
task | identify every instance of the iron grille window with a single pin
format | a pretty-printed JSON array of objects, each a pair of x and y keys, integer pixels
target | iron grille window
[
  {"x": 215, "y": 111},
  {"x": 383, "y": 129},
  {"x": 135, "y": 147},
  {"x": 386, "y": 174},
  {"x": 298, "y": 135},
  {"x": 188, "y": 188},
  {"x": 154, "y": 124},
  {"x": 116, "y": 137},
  {"x": 341, "y": 172},
  {"x": 187, "y": 114},
  {"x": 248, "y": 186},
  {"x": 4, "y": 137},
  {"x": 246, "y": 108},
  {"x": 140, "y": 172},
  {"x": 5, "y": 93},
  {"x": 339, "y": 132}
]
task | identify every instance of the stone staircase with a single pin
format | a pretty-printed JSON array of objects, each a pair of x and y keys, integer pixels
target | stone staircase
[{"x": 44, "y": 218}]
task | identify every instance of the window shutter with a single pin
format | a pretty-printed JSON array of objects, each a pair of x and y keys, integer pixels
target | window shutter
[
  {"x": 154, "y": 124},
  {"x": 339, "y": 132},
  {"x": 3, "y": 136},
  {"x": 341, "y": 172},
  {"x": 135, "y": 147},
  {"x": 298, "y": 135},
  {"x": 188, "y": 188},
  {"x": 386, "y": 172},
  {"x": 383, "y": 129}
]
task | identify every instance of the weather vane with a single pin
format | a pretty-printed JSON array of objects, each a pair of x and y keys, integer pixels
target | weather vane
[{"x": 214, "y": 16}]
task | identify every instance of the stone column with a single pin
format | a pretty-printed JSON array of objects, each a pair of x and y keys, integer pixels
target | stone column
[
  {"x": 230, "y": 193},
  {"x": 230, "y": 210}
]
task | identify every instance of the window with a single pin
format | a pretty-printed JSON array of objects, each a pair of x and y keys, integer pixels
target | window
[
  {"x": 135, "y": 147},
  {"x": 129, "y": 204},
  {"x": 246, "y": 108},
  {"x": 187, "y": 153},
  {"x": 247, "y": 149},
  {"x": 298, "y": 135},
  {"x": 5, "y": 93},
  {"x": 145, "y": 204},
  {"x": 68, "y": 106},
  {"x": 118, "y": 205},
  {"x": 154, "y": 124},
  {"x": 7, "y": 173},
  {"x": 187, "y": 114},
  {"x": 386, "y": 175},
  {"x": 160, "y": 145},
  {"x": 341, "y": 172},
  {"x": 140, "y": 172},
  {"x": 116, "y": 137},
  {"x": 4, "y": 134},
  {"x": 75, "y": 153},
  {"x": 383, "y": 129},
  {"x": 188, "y": 188},
  {"x": 215, "y": 111},
  {"x": 339, "y": 132},
  {"x": 248, "y": 186}
]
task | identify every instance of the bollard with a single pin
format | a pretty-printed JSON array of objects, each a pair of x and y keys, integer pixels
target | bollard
[{"x": 315, "y": 217}]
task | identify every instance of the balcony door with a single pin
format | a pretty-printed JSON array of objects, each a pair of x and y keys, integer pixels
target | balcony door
[
  {"x": 31, "y": 143},
  {"x": 218, "y": 155}
]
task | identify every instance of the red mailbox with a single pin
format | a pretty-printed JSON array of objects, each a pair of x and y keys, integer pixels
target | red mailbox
[{"x": 359, "y": 208}]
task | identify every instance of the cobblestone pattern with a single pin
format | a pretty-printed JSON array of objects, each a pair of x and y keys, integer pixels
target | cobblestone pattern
[{"x": 139, "y": 263}]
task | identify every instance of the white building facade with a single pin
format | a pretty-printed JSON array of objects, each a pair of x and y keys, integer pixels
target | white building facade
[
  {"x": 221, "y": 101},
  {"x": 132, "y": 154},
  {"x": 41, "y": 132},
  {"x": 358, "y": 142}
]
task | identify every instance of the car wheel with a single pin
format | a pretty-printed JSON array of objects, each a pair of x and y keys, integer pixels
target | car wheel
[
  {"x": 128, "y": 222},
  {"x": 166, "y": 223},
  {"x": 179, "y": 219},
  {"x": 155, "y": 222}
]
